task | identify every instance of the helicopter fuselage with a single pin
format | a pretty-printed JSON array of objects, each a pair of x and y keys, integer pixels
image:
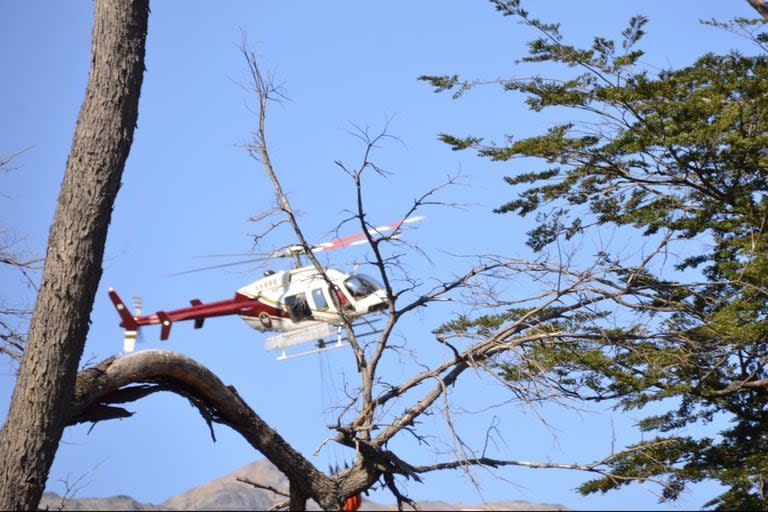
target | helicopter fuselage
[
  {"x": 283, "y": 301},
  {"x": 296, "y": 297}
]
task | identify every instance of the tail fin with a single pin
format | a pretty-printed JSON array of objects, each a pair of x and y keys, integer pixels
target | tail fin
[{"x": 128, "y": 321}]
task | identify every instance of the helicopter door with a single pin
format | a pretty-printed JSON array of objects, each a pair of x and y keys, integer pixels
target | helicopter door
[{"x": 298, "y": 308}]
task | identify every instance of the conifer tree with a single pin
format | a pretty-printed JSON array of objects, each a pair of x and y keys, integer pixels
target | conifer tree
[{"x": 676, "y": 159}]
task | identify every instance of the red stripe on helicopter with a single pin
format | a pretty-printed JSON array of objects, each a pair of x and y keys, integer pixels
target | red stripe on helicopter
[{"x": 239, "y": 305}]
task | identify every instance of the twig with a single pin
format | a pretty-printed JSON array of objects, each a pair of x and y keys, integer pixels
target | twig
[{"x": 262, "y": 486}]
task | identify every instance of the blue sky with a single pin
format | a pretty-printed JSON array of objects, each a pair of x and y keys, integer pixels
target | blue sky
[{"x": 189, "y": 190}]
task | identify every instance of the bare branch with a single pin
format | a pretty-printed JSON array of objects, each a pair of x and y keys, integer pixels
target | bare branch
[
  {"x": 452, "y": 285},
  {"x": 262, "y": 486},
  {"x": 5, "y": 162},
  {"x": 266, "y": 91},
  {"x": 389, "y": 480},
  {"x": 600, "y": 467}
]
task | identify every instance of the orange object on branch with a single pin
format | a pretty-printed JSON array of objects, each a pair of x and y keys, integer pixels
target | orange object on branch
[{"x": 352, "y": 503}]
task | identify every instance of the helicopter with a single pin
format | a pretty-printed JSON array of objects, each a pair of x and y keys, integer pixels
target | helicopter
[{"x": 295, "y": 304}]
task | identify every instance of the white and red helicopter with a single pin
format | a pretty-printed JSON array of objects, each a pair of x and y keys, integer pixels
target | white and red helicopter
[{"x": 295, "y": 304}]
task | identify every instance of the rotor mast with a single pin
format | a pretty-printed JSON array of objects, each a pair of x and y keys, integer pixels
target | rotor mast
[{"x": 296, "y": 251}]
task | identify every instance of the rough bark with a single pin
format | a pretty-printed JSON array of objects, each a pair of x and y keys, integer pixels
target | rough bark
[
  {"x": 296, "y": 501},
  {"x": 104, "y": 385},
  {"x": 760, "y": 6},
  {"x": 41, "y": 401}
]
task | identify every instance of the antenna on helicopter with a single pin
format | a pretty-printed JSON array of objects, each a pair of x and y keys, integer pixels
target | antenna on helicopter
[{"x": 296, "y": 251}]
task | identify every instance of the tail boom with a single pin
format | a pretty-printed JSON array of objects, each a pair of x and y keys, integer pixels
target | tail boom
[{"x": 197, "y": 312}]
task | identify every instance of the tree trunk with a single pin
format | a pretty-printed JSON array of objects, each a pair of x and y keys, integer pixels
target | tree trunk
[
  {"x": 42, "y": 399},
  {"x": 760, "y": 6}
]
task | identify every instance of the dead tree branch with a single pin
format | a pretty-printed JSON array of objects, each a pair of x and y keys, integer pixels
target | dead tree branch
[
  {"x": 98, "y": 385},
  {"x": 14, "y": 320},
  {"x": 266, "y": 91},
  {"x": 264, "y": 487}
]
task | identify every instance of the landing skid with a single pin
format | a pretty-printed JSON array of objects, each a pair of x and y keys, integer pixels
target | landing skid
[
  {"x": 284, "y": 355},
  {"x": 317, "y": 334}
]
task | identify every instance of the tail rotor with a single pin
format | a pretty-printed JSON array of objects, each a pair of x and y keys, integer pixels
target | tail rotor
[
  {"x": 138, "y": 302},
  {"x": 138, "y": 337}
]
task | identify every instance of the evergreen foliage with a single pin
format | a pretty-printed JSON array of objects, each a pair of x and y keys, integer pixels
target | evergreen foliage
[{"x": 680, "y": 156}]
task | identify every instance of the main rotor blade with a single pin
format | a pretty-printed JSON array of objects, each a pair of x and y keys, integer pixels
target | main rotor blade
[
  {"x": 222, "y": 265},
  {"x": 292, "y": 250},
  {"x": 234, "y": 255},
  {"x": 359, "y": 238}
]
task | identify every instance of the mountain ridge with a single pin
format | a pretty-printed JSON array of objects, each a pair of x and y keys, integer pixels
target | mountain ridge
[{"x": 227, "y": 493}]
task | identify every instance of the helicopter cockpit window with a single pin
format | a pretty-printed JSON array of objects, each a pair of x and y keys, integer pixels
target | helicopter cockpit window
[
  {"x": 361, "y": 286},
  {"x": 319, "y": 299},
  {"x": 298, "y": 307}
]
